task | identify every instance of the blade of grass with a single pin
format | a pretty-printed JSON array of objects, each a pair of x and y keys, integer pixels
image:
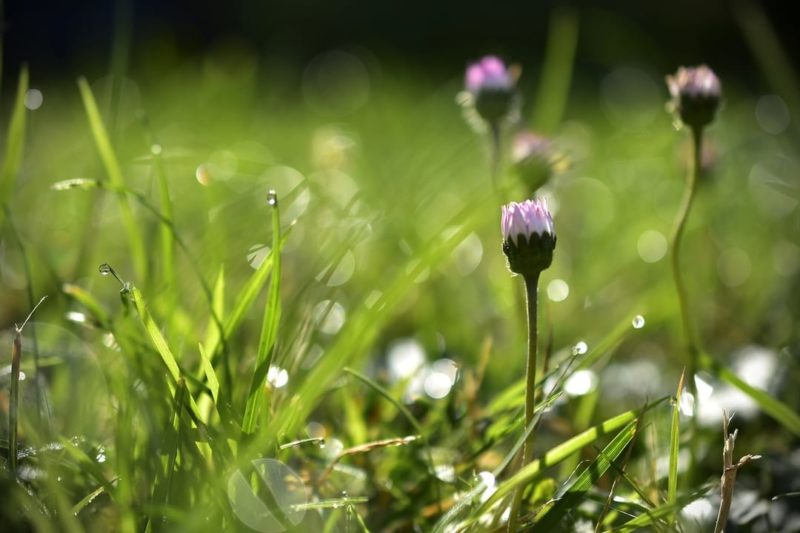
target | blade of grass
[
  {"x": 770, "y": 55},
  {"x": 557, "y": 454},
  {"x": 211, "y": 375},
  {"x": 674, "y": 443},
  {"x": 653, "y": 516},
  {"x": 161, "y": 345},
  {"x": 406, "y": 414},
  {"x": 269, "y": 328},
  {"x": 88, "y": 301},
  {"x": 573, "y": 492},
  {"x": 167, "y": 258},
  {"x": 778, "y": 410},
  {"x": 562, "y": 41},
  {"x": 115, "y": 177},
  {"x": 89, "y": 498},
  {"x": 15, "y": 142}
]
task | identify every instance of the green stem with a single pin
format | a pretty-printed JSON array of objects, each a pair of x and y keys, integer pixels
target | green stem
[
  {"x": 692, "y": 347},
  {"x": 531, "y": 290},
  {"x": 495, "y": 157}
]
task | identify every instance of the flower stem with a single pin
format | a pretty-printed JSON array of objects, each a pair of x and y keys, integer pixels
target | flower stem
[
  {"x": 692, "y": 346},
  {"x": 531, "y": 290}
]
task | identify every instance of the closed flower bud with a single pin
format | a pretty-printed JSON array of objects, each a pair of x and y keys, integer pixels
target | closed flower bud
[
  {"x": 491, "y": 86},
  {"x": 695, "y": 93},
  {"x": 532, "y": 158},
  {"x": 528, "y": 236}
]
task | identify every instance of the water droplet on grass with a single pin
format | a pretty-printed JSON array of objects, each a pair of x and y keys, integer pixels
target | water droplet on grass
[
  {"x": 277, "y": 377},
  {"x": 272, "y": 198},
  {"x": 105, "y": 269},
  {"x": 580, "y": 348},
  {"x": 638, "y": 322}
]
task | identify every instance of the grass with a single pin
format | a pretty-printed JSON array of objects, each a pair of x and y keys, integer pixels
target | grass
[{"x": 246, "y": 332}]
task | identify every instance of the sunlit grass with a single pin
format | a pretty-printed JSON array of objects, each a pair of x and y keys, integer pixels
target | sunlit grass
[{"x": 243, "y": 332}]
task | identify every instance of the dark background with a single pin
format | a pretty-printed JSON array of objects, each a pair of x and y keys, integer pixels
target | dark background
[{"x": 76, "y": 37}]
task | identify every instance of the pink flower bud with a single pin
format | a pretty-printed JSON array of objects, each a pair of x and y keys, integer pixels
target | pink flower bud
[
  {"x": 529, "y": 237},
  {"x": 695, "y": 93}
]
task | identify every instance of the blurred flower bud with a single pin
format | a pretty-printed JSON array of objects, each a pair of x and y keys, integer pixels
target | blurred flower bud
[
  {"x": 491, "y": 87},
  {"x": 528, "y": 236},
  {"x": 531, "y": 159},
  {"x": 695, "y": 93}
]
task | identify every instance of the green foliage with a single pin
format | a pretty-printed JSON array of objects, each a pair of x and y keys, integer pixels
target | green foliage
[{"x": 154, "y": 398}]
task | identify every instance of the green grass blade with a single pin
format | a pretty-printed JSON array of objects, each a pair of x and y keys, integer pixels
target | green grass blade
[
  {"x": 160, "y": 343},
  {"x": 211, "y": 375},
  {"x": 557, "y": 454},
  {"x": 89, "y": 498},
  {"x": 573, "y": 492},
  {"x": 114, "y": 172},
  {"x": 269, "y": 328},
  {"x": 674, "y": 443},
  {"x": 15, "y": 142},
  {"x": 244, "y": 300},
  {"x": 13, "y": 402},
  {"x": 85, "y": 298},
  {"x": 778, "y": 410},
  {"x": 218, "y": 304},
  {"x": 562, "y": 41},
  {"x": 653, "y": 517},
  {"x": 167, "y": 258}
]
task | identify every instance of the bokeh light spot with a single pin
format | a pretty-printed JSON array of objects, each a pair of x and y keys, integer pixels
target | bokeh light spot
[
  {"x": 652, "y": 246},
  {"x": 557, "y": 290}
]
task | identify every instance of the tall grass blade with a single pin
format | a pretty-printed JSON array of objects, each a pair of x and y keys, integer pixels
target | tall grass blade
[
  {"x": 562, "y": 42},
  {"x": 269, "y": 328},
  {"x": 160, "y": 343},
  {"x": 167, "y": 258},
  {"x": 115, "y": 177},
  {"x": 674, "y": 443},
  {"x": 573, "y": 492},
  {"x": 15, "y": 142},
  {"x": 778, "y": 410}
]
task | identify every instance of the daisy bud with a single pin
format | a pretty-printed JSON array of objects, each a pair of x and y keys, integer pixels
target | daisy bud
[
  {"x": 528, "y": 236},
  {"x": 492, "y": 87},
  {"x": 531, "y": 159},
  {"x": 695, "y": 93}
]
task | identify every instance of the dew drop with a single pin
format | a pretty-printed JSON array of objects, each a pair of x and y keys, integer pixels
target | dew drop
[
  {"x": 105, "y": 269},
  {"x": 272, "y": 198},
  {"x": 580, "y": 348},
  {"x": 638, "y": 322}
]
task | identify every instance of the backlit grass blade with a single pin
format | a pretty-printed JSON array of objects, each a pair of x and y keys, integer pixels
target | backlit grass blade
[
  {"x": 778, "y": 410},
  {"x": 114, "y": 172},
  {"x": 85, "y": 298},
  {"x": 160, "y": 343},
  {"x": 572, "y": 493},
  {"x": 15, "y": 142},
  {"x": 211, "y": 375},
  {"x": 269, "y": 327},
  {"x": 674, "y": 444},
  {"x": 656, "y": 517},
  {"x": 557, "y": 454},
  {"x": 167, "y": 258},
  {"x": 562, "y": 41},
  {"x": 244, "y": 300}
]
